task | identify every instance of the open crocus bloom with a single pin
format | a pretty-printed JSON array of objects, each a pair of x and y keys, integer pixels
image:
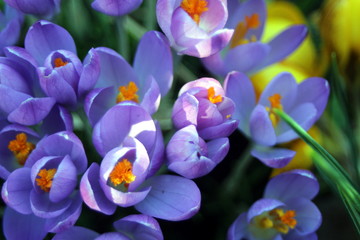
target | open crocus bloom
[
  {"x": 116, "y": 7},
  {"x": 194, "y": 27},
  {"x": 246, "y": 53},
  {"x": 304, "y": 102},
  {"x": 285, "y": 212}
]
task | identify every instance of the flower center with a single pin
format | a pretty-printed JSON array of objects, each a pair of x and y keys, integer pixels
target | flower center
[
  {"x": 242, "y": 28},
  {"x": 128, "y": 93},
  {"x": 211, "y": 96},
  {"x": 21, "y": 148},
  {"x": 194, "y": 8},
  {"x": 275, "y": 102},
  {"x": 45, "y": 178},
  {"x": 122, "y": 173},
  {"x": 58, "y": 62},
  {"x": 277, "y": 219}
]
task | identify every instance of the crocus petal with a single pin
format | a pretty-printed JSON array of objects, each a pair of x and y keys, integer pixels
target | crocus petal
[
  {"x": 210, "y": 45},
  {"x": 139, "y": 227},
  {"x": 283, "y": 84},
  {"x": 11, "y": 99},
  {"x": 16, "y": 190},
  {"x": 41, "y": 9},
  {"x": 44, "y": 37},
  {"x": 261, "y": 128},
  {"x": 151, "y": 97},
  {"x": 32, "y": 111},
  {"x": 153, "y": 57},
  {"x": 157, "y": 153},
  {"x": 290, "y": 185},
  {"x": 19, "y": 226},
  {"x": 308, "y": 215},
  {"x": 239, "y": 88},
  {"x": 293, "y": 235},
  {"x": 203, "y": 84},
  {"x": 215, "y": 17},
  {"x": 12, "y": 78},
  {"x": 221, "y": 130},
  {"x": 238, "y": 229},
  {"x": 115, "y": 8},
  {"x": 68, "y": 218},
  {"x": 164, "y": 11},
  {"x": 261, "y": 206},
  {"x": 215, "y": 64},
  {"x": 208, "y": 114},
  {"x": 245, "y": 57},
  {"x": 185, "y": 111},
  {"x": 79, "y": 233},
  {"x": 18, "y": 53},
  {"x": 112, "y": 236},
  {"x": 4, "y": 173},
  {"x": 315, "y": 90},
  {"x": 59, "y": 119},
  {"x": 43, "y": 207},
  {"x": 273, "y": 157},
  {"x": 171, "y": 198},
  {"x": 284, "y": 44},
  {"x": 92, "y": 192},
  {"x": 90, "y": 73},
  {"x": 218, "y": 149}
]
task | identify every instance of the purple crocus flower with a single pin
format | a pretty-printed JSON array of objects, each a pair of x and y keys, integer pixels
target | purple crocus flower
[
  {"x": 45, "y": 186},
  {"x": 150, "y": 77},
  {"x": 204, "y": 104},
  {"x": 45, "y": 8},
  {"x": 10, "y": 22},
  {"x": 132, "y": 146},
  {"x": 137, "y": 226},
  {"x": 194, "y": 27},
  {"x": 285, "y": 212},
  {"x": 50, "y": 51},
  {"x": 116, "y": 7},
  {"x": 190, "y": 156},
  {"x": 246, "y": 53},
  {"x": 304, "y": 102}
]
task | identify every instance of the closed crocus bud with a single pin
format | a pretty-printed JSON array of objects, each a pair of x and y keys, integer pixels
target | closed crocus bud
[
  {"x": 116, "y": 7},
  {"x": 44, "y": 8},
  {"x": 194, "y": 27},
  {"x": 10, "y": 22}
]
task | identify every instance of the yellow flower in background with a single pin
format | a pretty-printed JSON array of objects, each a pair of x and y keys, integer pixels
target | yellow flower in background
[
  {"x": 303, "y": 156},
  {"x": 303, "y": 62},
  {"x": 340, "y": 28}
]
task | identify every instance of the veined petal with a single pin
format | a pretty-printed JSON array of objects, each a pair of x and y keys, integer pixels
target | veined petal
[
  {"x": 185, "y": 111},
  {"x": 261, "y": 128},
  {"x": 273, "y": 157}
]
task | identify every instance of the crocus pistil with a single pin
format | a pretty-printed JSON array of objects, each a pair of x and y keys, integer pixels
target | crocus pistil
[
  {"x": 122, "y": 173},
  {"x": 128, "y": 93},
  {"x": 59, "y": 62},
  {"x": 211, "y": 96},
  {"x": 275, "y": 102},
  {"x": 21, "y": 148},
  {"x": 276, "y": 219},
  {"x": 242, "y": 28},
  {"x": 45, "y": 178},
  {"x": 194, "y": 8}
]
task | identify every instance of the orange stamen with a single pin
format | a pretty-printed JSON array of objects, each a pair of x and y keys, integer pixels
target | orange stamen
[
  {"x": 288, "y": 219},
  {"x": 253, "y": 21},
  {"x": 211, "y": 96},
  {"x": 45, "y": 177},
  {"x": 58, "y": 62},
  {"x": 194, "y": 8},
  {"x": 21, "y": 148},
  {"x": 275, "y": 101},
  {"x": 242, "y": 28},
  {"x": 122, "y": 173},
  {"x": 128, "y": 93}
]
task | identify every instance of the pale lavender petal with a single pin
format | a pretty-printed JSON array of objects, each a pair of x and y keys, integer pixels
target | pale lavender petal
[
  {"x": 239, "y": 88},
  {"x": 273, "y": 157},
  {"x": 221, "y": 130},
  {"x": 92, "y": 192},
  {"x": 208, "y": 114},
  {"x": 153, "y": 57},
  {"x": 151, "y": 97},
  {"x": 185, "y": 111},
  {"x": 164, "y": 11},
  {"x": 171, "y": 198},
  {"x": 218, "y": 149},
  {"x": 196, "y": 168},
  {"x": 43, "y": 207},
  {"x": 116, "y": 8},
  {"x": 261, "y": 128},
  {"x": 201, "y": 86},
  {"x": 261, "y": 206},
  {"x": 16, "y": 190},
  {"x": 78, "y": 233},
  {"x": 32, "y": 111},
  {"x": 139, "y": 227},
  {"x": 157, "y": 153},
  {"x": 25, "y": 227},
  {"x": 291, "y": 185},
  {"x": 215, "y": 17},
  {"x": 44, "y": 37}
]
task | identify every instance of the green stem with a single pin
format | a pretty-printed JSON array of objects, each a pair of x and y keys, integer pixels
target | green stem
[{"x": 150, "y": 18}]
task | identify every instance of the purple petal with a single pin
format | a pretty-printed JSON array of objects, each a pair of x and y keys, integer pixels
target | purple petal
[
  {"x": 153, "y": 57},
  {"x": 79, "y": 233},
  {"x": 16, "y": 190},
  {"x": 203, "y": 84},
  {"x": 293, "y": 235},
  {"x": 261, "y": 128},
  {"x": 139, "y": 227},
  {"x": 208, "y": 114},
  {"x": 42, "y": 8},
  {"x": 294, "y": 184},
  {"x": 284, "y": 44},
  {"x": 221, "y": 130},
  {"x": 112, "y": 236},
  {"x": 116, "y": 8},
  {"x": 157, "y": 153},
  {"x": 215, "y": 17},
  {"x": 151, "y": 96},
  {"x": 215, "y": 64},
  {"x": 59, "y": 119},
  {"x": 171, "y": 198},
  {"x": 44, "y": 37},
  {"x": 25, "y": 227},
  {"x": 238, "y": 229},
  {"x": 261, "y": 206},
  {"x": 218, "y": 149},
  {"x": 273, "y": 157},
  {"x": 32, "y": 111},
  {"x": 43, "y": 207},
  {"x": 185, "y": 111},
  {"x": 239, "y": 88},
  {"x": 11, "y": 99},
  {"x": 251, "y": 54},
  {"x": 12, "y": 78},
  {"x": 164, "y": 11},
  {"x": 4, "y": 173},
  {"x": 92, "y": 192},
  {"x": 210, "y": 45},
  {"x": 315, "y": 90}
]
